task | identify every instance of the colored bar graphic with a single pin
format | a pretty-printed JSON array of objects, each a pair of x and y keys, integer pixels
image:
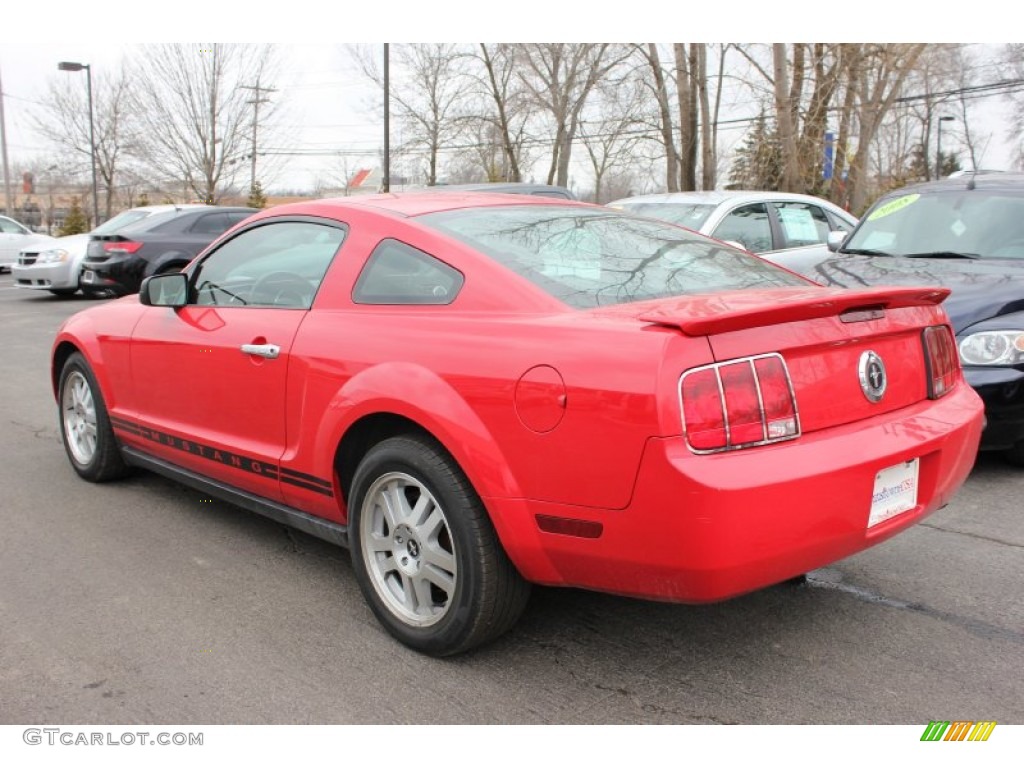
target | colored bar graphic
[
  {"x": 982, "y": 730},
  {"x": 958, "y": 730},
  {"x": 935, "y": 730}
]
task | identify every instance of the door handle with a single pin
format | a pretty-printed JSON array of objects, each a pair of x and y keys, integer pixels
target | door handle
[{"x": 269, "y": 351}]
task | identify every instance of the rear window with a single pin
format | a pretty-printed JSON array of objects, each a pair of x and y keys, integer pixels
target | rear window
[
  {"x": 689, "y": 215},
  {"x": 596, "y": 257},
  {"x": 158, "y": 221},
  {"x": 119, "y": 222}
]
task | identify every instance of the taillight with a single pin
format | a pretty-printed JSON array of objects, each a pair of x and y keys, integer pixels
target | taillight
[
  {"x": 738, "y": 404},
  {"x": 117, "y": 248},
  {"x": 941, "y": 361}
]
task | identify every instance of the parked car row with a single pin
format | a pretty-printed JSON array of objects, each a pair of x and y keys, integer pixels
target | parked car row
[
  {"x": 964, "y": 232},
  {"x": 113, "y": 259}
]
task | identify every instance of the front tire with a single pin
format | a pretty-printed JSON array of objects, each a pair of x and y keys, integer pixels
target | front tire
[
  {"x": 425, "y": 554},
  {"x": 63, "y": 293},
  {"x": 84, "y": 426}
]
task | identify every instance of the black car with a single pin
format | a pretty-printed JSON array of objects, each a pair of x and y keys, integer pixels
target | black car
[
  {"x": 164, "y": 242},
  {"x": 967, "y": 234}
]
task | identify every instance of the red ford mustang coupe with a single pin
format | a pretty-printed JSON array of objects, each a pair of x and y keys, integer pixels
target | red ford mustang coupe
[{"x": 479, "y": 392}]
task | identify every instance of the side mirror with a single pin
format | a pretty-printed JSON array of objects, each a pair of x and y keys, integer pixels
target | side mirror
[
  {"x": 164, "y": 290},
  {"x": 835, "y": 239}
]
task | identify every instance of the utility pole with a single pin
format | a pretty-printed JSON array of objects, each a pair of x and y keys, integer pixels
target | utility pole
[
  {"x": 3, "y": 143},
  {"x": 386, "y": 185},
  {"x": 256, "y": 121}
]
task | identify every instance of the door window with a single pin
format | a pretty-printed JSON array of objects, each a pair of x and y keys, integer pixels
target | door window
[
  {"x": 802, "y": 224},
  {"x": 274, "y": 265},
  {"x": 210, "y": 224},
  {"x": 749, "y": 226},
  {"x": 9, "y": 227}
]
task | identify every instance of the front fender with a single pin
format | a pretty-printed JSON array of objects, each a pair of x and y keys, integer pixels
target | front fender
[{"x": 103, "y": 335}]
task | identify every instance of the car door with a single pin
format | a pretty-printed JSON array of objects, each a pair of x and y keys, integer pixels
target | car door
[{"x": 210, "y": 377}]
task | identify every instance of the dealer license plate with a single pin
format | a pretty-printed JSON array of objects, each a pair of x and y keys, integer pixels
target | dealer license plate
[{"x": 895, "y": 492}]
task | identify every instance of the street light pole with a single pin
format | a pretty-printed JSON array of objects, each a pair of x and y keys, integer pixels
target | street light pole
[
  {"x": 74, "y": 66},
  {"x": 8, "y": 200},
  {"x": 938, "y": 145}
]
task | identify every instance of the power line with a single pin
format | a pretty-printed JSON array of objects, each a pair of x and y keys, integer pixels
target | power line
[{"x": 988, "y": 89}]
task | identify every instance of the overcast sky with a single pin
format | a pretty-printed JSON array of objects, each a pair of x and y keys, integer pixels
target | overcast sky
[{"x": 327, "y": 106}]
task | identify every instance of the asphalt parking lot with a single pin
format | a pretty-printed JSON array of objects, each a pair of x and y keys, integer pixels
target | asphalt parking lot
[{"x": 142, "y": 602}]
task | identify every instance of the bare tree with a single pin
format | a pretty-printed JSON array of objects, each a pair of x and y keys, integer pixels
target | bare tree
[
  {"x": 686, "y": 93},
  {"x": 879, "y": 78},
  {"x": 666, "y": 128},
  {"x": 560, "y": 77},
  {"x": 611, "y": 138},
  {"x": 195, "y": 115},
  {"x": 784, "y": 117},
  {"x": 64, "y": 120},
  {"x": 510, "y": 115},
  {"x": 429, "y": 92}
]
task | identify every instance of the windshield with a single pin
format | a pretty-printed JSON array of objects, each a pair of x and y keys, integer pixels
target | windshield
[
  {"x": 689, "y": 215},
  {"x": 978, "y": 222},
  {"x": 119, "y": 222},
  {"x": 593, "y": 257}
]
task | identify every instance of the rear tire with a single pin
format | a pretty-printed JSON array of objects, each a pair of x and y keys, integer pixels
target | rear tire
[
  {"x": 84, "y": 425},
  {"x": 425, "y": 554}
]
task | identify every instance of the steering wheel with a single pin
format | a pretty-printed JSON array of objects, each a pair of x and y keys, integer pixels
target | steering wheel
[{"x": 281, "y": 289}]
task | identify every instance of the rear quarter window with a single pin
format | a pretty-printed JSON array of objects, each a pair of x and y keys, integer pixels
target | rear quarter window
[{"x": 397, "y": 273}]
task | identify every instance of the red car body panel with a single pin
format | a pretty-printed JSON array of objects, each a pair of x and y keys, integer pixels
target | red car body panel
[{"x": 549, "y": 411}]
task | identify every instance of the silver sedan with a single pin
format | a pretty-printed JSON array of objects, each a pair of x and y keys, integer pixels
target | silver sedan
[{"x": 765, "y": 223}]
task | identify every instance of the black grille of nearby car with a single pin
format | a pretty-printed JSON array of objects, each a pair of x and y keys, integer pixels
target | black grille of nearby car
[{"x": 25, "y": 259}]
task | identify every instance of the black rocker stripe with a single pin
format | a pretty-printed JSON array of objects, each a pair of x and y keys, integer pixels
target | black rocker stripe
[
  {"x": 236, "y": 460},
  {"x": 303, "y": 476}
]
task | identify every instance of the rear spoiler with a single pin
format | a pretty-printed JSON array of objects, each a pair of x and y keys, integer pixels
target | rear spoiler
[{"x": 707, "y": 315}]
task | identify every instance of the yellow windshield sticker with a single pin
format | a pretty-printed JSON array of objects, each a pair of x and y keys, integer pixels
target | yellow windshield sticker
[{"x": 896, "y": 205}]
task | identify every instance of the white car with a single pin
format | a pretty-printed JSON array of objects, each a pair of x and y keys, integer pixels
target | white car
[
  {"x": 56, "y": 265},
  {"x": 14, "y": 237},
  {"x": 765, "y": 223}
]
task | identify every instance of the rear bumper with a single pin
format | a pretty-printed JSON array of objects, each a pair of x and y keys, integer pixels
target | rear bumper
[
  {"x": 707, "y": 528},
  {"x": 118, "y": 274},
  {"x": 1002, "y": 390}
]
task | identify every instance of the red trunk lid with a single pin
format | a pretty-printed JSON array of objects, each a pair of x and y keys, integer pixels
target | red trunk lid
[{"x": 823, "y": 335}]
